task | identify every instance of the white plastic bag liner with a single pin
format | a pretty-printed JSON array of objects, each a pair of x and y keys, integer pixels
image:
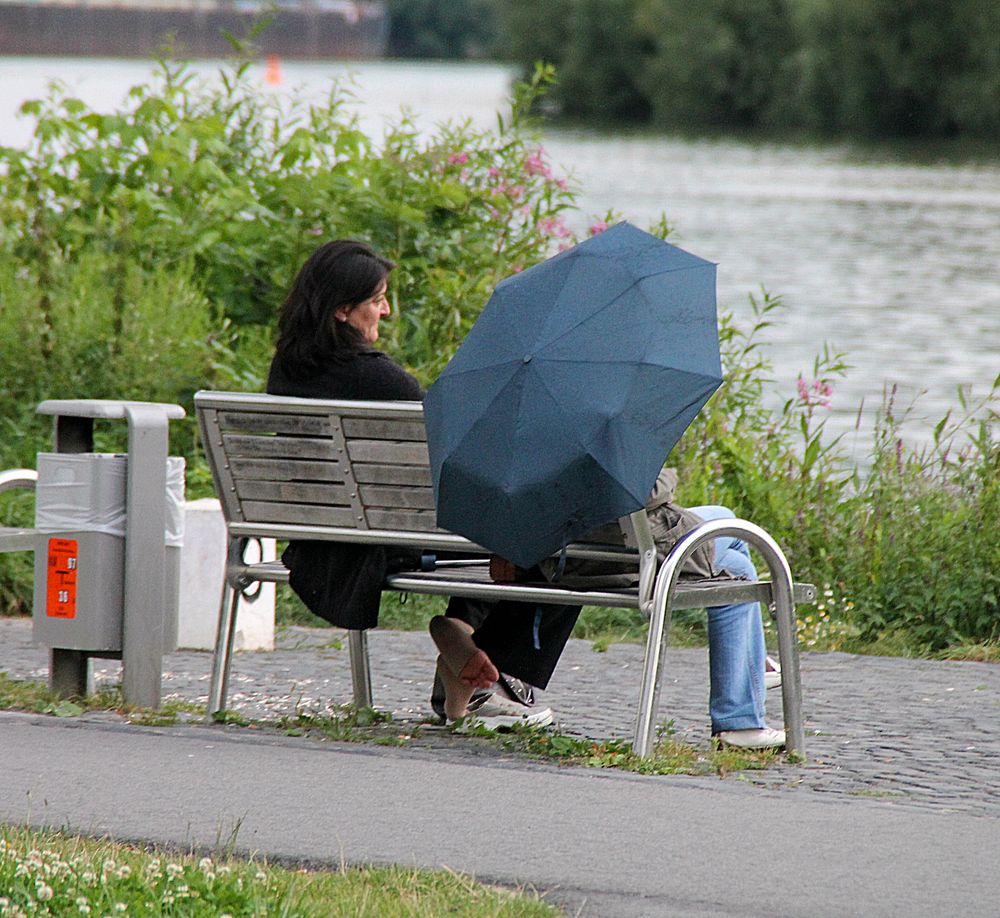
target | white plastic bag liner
[
  {"x": 175, "y": 501},
  {"x": 86, "y": 492}
]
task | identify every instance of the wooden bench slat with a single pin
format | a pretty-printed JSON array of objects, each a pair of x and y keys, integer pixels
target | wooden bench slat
[
  {"x": 309, "y": 514},
  {"x": 285, "y": 470},
  {"x": 387, "y": 451},
  {"x": 278, "y": 447},
  {"x": 398, "y": 498},
  {"x": 369, "y": 473},
  {"x": 299, "y": 424},
  {"x": 414, "y": 520},
  {"x": 294, "y": 491},
  {"x": 372, "y": 429}
]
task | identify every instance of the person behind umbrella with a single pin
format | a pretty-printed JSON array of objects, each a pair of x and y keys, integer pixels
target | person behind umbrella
[{"x": 328, "y": 325}]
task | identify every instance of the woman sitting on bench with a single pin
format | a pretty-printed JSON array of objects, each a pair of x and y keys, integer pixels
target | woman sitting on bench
[{"x": 327, "y": 328}]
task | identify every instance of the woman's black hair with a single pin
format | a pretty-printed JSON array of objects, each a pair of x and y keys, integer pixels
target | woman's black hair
[{"x": 339, "y": 273}]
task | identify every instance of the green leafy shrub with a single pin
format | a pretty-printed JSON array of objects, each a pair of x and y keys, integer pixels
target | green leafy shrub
[
  {"x": 858, "y": 68},
  {"x": 718, "y": 62},
  {"x": 899, "y": 545},
  {"x": 144, "y": 252}
]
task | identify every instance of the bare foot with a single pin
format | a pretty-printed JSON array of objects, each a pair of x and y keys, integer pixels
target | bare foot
[
  {"x": 464, "y": 667},
  {"x": 479, "y": 672},
  {"x": 456, "y": 693}
]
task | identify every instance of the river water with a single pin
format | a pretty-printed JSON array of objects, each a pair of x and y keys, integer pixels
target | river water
[{"x": 895, "y": 262}]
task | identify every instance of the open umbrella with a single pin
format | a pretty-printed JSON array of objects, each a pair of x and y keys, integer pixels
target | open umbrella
[{"x": 558, "y": 410}]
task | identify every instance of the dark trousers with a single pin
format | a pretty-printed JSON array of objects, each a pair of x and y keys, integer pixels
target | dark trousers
[{"x": 522, "y": 639}]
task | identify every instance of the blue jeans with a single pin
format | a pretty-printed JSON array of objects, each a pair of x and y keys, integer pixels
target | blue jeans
[{"x": 736, "y": 651}]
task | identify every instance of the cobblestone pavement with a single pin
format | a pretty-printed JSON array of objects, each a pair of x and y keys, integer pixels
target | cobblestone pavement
[{"x": 900, "y": 732}]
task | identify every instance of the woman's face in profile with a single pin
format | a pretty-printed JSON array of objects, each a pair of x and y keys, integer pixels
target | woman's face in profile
[{"x": 366, "y": 315}]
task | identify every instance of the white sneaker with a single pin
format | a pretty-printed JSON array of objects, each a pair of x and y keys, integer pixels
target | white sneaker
[
  {"x": 772, "y": 674},
  {"x": 495, "y": 712},
  {"x": 761, "y": 738}
]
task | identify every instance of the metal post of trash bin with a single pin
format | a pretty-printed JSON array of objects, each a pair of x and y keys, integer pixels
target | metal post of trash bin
[{"x": 145, "y": 580}]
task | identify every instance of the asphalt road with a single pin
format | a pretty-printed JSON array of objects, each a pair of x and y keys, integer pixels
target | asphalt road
[
  {"x": 597, "y": 843},
  {"x": 896, "y": 812}
]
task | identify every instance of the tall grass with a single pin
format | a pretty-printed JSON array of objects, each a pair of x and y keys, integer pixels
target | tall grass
[{"x": 899, "y": 542}]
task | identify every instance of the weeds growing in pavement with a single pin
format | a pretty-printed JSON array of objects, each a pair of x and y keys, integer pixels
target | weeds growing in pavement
[{"x": 347, "y": 723}]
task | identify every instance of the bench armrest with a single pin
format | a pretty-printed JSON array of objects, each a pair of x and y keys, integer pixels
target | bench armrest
[{"x": 25, "y": 479}]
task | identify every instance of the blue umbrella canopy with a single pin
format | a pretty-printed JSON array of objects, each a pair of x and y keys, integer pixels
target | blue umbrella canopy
[{"x": 558, "y": 410}]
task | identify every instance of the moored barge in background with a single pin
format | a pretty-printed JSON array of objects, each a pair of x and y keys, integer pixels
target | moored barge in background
[{"x": 342, "y": 29}]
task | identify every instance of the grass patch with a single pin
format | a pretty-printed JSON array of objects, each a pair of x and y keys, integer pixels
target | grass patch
[
  {"x": 670, "y": 755},
  {"x": 984, "y": 652},
  {"x": 44, "y": 873},
  {"x": 345, "y": 723},
  {"x": 37, "y": 698}
]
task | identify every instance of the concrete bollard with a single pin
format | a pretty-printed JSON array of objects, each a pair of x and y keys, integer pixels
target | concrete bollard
[{"x": 203, "y": 566}]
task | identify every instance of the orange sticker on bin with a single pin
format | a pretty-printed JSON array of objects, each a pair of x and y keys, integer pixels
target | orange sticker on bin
[{"x": 61, "y": 593}]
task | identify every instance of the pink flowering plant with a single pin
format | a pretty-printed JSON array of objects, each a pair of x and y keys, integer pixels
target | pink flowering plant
[
  {"x": 470, "y": 207},
  {"x": 894, "y": 538}
]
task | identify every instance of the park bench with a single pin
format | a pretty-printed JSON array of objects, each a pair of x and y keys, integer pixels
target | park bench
[{"x": 357, "y": 472}]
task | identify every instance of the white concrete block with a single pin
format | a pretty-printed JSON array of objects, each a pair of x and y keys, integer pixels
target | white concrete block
[{"x": 203, "y": 566}]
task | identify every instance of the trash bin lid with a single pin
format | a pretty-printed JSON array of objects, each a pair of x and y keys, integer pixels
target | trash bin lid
[{"x": 102, "y": 408}]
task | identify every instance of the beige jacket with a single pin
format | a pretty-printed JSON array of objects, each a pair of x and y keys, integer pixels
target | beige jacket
[{"x": 668, "y": 522}]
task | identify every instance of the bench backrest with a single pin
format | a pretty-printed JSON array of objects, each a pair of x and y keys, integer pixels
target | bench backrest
[
  {"x": 325, "y": 469},
  {"x": 318, "y": 463}
]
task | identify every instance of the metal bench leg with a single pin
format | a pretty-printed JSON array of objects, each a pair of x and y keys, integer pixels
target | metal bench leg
[
  {"x": 224, "y": 636},
  {"x": 784, "y": 607},
  {"x": 656, "y": 647},
  {"x": 361, "y": 673},
  {"x": 788, "y": 655}
]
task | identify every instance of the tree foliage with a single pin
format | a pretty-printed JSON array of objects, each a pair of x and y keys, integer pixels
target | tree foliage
[
  {"x": 454, "y": 29},
  {"x": 920, "y": 68}
]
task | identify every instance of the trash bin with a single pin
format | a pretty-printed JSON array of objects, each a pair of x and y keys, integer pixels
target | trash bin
[{"x": 80, "y": 520}]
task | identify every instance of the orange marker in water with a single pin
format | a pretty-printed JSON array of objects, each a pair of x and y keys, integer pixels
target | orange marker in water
[{"x": 272, "y": 76}]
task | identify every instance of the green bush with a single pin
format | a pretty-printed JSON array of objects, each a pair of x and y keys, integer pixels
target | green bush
[
  {"x": 900, "y": 546},
  {"x": 144, "y": 252},
  {"x": 875, "y": 67},
  {"x": 594, "y": 45},
  {"x": 718, "y": 62}
]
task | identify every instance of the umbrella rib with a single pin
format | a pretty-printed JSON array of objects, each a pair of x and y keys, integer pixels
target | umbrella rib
[
  {"x": 629, "y": 288},
  {"x": 479, "y": 367},
  {"x": 585, "y": 319}
]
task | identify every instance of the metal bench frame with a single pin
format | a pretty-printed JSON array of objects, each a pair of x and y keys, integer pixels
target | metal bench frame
[
  {"x": 13, "y": 539},
  {"x": 357, "y": 472}
]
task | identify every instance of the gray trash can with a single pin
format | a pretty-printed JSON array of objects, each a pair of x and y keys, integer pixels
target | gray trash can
[{"x": 80, "y": 520}]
